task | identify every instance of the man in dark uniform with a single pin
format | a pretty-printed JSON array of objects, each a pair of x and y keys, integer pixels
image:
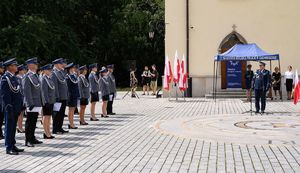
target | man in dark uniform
[
  {"x": 261, "y": 84},
  {"x": 33, "y": 99},
  {"x": 61, "y": 92},
  {"x": 113, "y": 89},
  {"x": 1, "y": 112},
  {"x": 12, "y": 103}
]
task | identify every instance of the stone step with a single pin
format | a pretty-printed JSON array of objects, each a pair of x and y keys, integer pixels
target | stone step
[
  {"x": 229, "y": 93},
  {"x": 229, "y": 96}
]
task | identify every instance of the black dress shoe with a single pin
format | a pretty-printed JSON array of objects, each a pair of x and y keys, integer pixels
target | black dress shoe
[
  {"x": 50, "y": 137},
  {"x": 104, "y": 116},
  {"x": 29, "y": 144},
  {"x": 11, "y": 152},
  {"x": 72, "y": 127},
  {"x": 1, "y": 136},
  {"x": 16, "y": 149},
  {"x": 96, "y": 119},
  {"x": 37, "y": 142},
  {"x": 256, "y": 112},
  {"x": 63, "y": 131},
  {"x": 83, "y": 123}
]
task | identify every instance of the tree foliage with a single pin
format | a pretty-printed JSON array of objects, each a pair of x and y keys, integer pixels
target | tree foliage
[{"x": 84, "y": 31}]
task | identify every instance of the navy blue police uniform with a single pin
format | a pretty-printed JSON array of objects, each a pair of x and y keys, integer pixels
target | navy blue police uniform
[
  {"x": 261, "y": 84},
  {"x": 1, "y": 112},
  {"x": 12, "y": 103},
  {"x": 73, "y": 87}
]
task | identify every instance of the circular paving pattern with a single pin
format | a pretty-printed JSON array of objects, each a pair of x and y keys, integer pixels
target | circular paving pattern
[{"x": 268, "y": 129}]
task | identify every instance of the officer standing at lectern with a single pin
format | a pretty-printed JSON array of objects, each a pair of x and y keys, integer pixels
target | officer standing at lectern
[
  {"x": 261, "y": 84},
  {"x": 12, "y": 103}
]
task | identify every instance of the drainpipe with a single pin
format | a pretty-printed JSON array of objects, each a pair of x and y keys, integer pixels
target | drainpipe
[{"x": 188, "y": 93}]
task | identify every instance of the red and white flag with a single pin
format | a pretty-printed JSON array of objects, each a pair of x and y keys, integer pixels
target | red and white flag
[
  {"x": 297, "y": 88},
  {"x": 183, "y": 75},
  {"x": 167, "y": 74},
  {"x": 176, "y": 75}
]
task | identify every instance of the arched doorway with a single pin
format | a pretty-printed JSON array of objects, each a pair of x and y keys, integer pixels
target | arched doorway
[{"x": 228, "y": 42}]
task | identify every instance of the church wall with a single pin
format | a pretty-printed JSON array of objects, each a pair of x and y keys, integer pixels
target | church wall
[{"x": 273, "y": 25}]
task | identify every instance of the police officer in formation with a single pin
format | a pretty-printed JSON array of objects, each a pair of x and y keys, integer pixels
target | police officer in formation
[
  {"x": 49, "y": 98},
  {"x": 22, "y": 70},
  {"x": 105, "y": 90},
  {"x": 33, "y": 100},
  {"x": 12, "y": 103},
  {"x": 113, "y": 89},
  {"x": 261, "y": 84},
  {"x": 1, "y": 112},
  {"x": 38, "y": 93},
  {"x": 60, "y": 83},
  {"x": 94, "y": 79},
  {"x": 73, "y": 93},
  {"x": 84, "y": 92}
]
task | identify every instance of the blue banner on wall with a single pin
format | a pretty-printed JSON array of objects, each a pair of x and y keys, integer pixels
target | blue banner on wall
[{"x": 234, "y": 74}]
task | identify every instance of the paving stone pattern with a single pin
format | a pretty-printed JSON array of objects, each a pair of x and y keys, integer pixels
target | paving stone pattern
[{"x": 129, "y": 142}]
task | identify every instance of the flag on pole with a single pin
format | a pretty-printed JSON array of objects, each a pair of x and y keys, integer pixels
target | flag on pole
[
  {"x": 297, "y": 89},
  {"x": 176, "y": 75},
  {"x": 183, "y": 75},
  {"x": 167, "y": 74}
]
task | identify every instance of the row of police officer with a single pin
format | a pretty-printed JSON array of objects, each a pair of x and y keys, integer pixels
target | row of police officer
[{"x": 60, "y": 85}]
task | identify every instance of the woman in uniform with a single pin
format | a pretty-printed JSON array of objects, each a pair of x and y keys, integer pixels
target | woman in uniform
[
  {"x": 20, "y": 75},
  {"x": 49, "y": 98},
  {"x": 105, "y": 91},
  {"x": 146, "y": 79},
  {"x": 73, "y": 90},
  {"x": 94, "y": 89},
  {"x": 84, "y": 91}
]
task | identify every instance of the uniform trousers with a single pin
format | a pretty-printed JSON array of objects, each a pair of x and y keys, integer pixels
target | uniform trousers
[
  {"x": 260, "y": 95},
  {"x": 1, "y": 122},
  {"x": 110, "y": 104},
  {"x": 30, "y": 126},
  {"x": 11, "y": 119},
  {"x": 58, "y": 117}
]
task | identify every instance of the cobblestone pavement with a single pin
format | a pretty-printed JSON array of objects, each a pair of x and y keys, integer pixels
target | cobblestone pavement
[{"x": 138, "y": 140}]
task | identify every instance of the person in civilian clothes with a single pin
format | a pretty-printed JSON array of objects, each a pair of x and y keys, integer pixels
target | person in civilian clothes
[
  {"x": 248, "y": 78},
  {"x": 261, "y": 84},
  {"x": 12, "y": 104},
  {"x": 289, "y": 80},
  {"x": 146, "y": 79},
  {"x": 105, "y": 91},
  {"x": 94, "y": 89},
  {"x": 61, "y": 93},
  {"x": 84, "y": 91},
  {"x": 48, "y": 92},
  {"x": 73, "y": 89},
  {"x": 276, "y": 82},
  {"x": 1, "y": 111},
  {"x": 33, "y": 98},
  {"x": 113, "y": 89},
  {"x": 154, "y": 77},
  {"x": 21, "y": 74}
]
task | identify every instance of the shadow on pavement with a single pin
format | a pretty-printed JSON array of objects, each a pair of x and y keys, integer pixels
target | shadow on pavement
[{"x": 47, "y": 154}]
